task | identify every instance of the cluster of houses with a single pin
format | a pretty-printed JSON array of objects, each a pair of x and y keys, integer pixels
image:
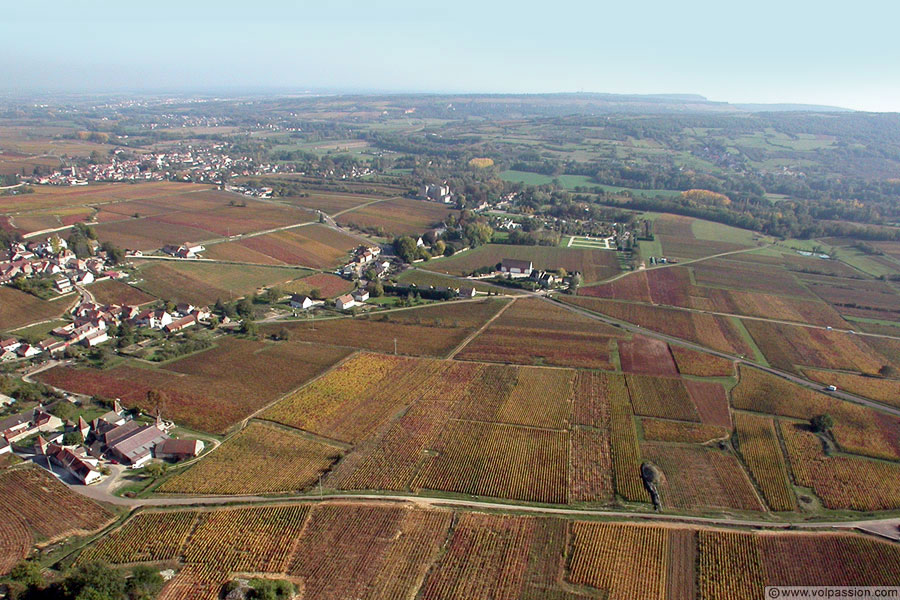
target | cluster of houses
[
  {"x": 436, "y": 193},
  {"x": 114, "y": 437},
  {"x": 521, "y": 269},
  {"x": 185, "y": 250},
  {"x": 92, "y": 322},
  {"x": 365, "y": 258},
  {"x": 52, "y": 257}
]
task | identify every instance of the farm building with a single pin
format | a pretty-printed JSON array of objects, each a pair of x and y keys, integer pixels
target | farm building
[
  {"x": 515, "y": 266},
  {"x": 466, "y": 292},
  {"x": 134, "y": 448},
  {"x": 179, "y": 324},
  {"x": 360, "y": 295},
  {"x": 178, "y": 449},
  {"x": 79, "y": 466},
  {"x": 344, "y": 302}
]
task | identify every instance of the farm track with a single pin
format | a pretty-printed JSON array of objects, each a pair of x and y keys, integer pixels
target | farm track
[
  {"x": 887, "y": 524},
  {"x": 478, "y": 332}
]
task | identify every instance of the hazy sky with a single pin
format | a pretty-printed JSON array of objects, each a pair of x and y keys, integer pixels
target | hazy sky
[{"x": 762, "y": 51}]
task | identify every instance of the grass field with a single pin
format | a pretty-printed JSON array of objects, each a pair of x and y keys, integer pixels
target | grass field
[
  {"x": 592, "y": 264},
  {"x": 204, "y": 283}
]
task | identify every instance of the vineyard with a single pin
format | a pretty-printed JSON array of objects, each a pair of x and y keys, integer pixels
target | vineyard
[
  {"x": 261, "y": 459},
  {"x": 762, "y": 453},
  {"x": 882, "y": 390},
  {"x": 148, "y": 536},
  {"x": 697, "y": 477},
  {"x": 692, "y": 362},
  {"x": 646, "y": 355},
  {"x": 532, "y": 332},
  {"x": 626, "y": 453},
  {"x": 502, "y": 461},
  {"x": 711, "y": 402},
  {"x": 663, "y": 397},
  {"x": 315, "y": 246},
  {"x": 15, "y": 542},
  {"x": 659, "y": 430}
]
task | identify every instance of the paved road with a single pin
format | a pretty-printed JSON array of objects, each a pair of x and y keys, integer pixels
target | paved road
[{"x": 680, "y": 342}]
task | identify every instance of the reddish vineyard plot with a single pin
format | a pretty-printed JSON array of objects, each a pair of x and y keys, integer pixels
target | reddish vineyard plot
[
  {"x": 670, "y": 286},
  {"x": 692, "y": 362},
  {"x": 244, "y": 464},
  {"x": 502, "y": 461},
  {"x": 699, "y": 477},
  {"x": 315, "y": 246},
  {"x": 486, "y": 558},
  {"x": 762, "y": 453},
  {"x": 398, "y": 216},
  {"x": 532, "y": 331},
  {"x": 325, "y": 284},
  {"x": 632, "y": 286},
  {"x": 746, "y": 277},
  {"x": 664, "y": 397},
  {"x": 47, "y": 506},
  {"x": 711, "y": 402},
  {"x": 626, "y": 561},
  {"x": 367, "y": 551},
  {"x": 429, "y": 331},
  {"x": 840, "y": 482},
  {"x": 658, "y": 430},
  {"x": 592, "y": 467},
  {"x": 148, "y": 536},
  {"x": 216, "y": 388},
  {"x": 646, "y": 355}
]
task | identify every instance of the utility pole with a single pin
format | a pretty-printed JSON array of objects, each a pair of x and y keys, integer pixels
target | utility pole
[{"x": 395, "y": 346}]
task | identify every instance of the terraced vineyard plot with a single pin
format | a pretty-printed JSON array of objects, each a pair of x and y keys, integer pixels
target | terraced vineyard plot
[
  {"x": 485, "y": 559},
  {"x": 47, "y": 506},
  {"x": 367, "y": 551},
  {"x": 249, "y": 540},
  {"x": 532, "y": 331},
  {"x": 502, "y": 461},
  {"x": 692, "y": 362},
  {"x": 625, "y": 561},
  {"x": 428, "y": 331},
  {"x": 841, "y": 482},
  {"x": 658, "y": 430},
  {"x": 762, "y": 453},
  {"x": 645, "y": 355},
  {"x": 146, "y": 537},
  {"x": 697, "y": 477},
  {"x": 260, "y": 459},
  {"x": 594, "y": 265},
  {"x": 211, "y": 390},
  {"x": 857, "y": 429},
  {"x": 664, "y": 397}
]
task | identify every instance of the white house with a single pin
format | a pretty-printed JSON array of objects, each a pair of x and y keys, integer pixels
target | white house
[
  {"x": 360, "y": 295},
  {"x": 302, "y": 302},
  {"x": 516, "y": 267},
  {"x": 344, "y": 302}
]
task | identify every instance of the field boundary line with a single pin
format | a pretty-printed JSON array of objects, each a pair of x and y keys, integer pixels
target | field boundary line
[{"x": 477, "y": 332}]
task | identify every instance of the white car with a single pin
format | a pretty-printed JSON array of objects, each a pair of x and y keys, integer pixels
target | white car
[{"x": 831, "y": 388}]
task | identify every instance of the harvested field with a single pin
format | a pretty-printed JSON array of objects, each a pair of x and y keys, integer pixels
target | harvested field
[
  {"x": 876, "y": 388},
  {"x": 111, "y": 291},
  {"x": 594, "y": 265},
  {"x": 697, "y": 477},
  {"x": 501, "y": 461},
  {"x": 533, "y": 331},
  {"x": 712, "y": 331},
  {"x": 659, "y": 430},
  {"x": 47, "y": 507},
  {"x": 315, "y": 246},
  {"x": 148, "y": 536},
  {"x": 429, "y": 331},
  {"x": 367, "y": 551},
  {"x": 711, "y": 402},
  {"x": 647, "y": 356},
  {"x": 842, "y": 482},
  {"x": 692, "y": 362},
  {"x": 212, "y": 390},
  {"x": 202, "y": 284},
  {"x": 761, "y": 450},
  {"x": 325, "y": 285},
  {"x": 18, "y": 308},
  {"x": 243, "y": 464},
  {"x": 398, "y": 216},
  {"x": 785, "y": 346},
  {"x": 662, "y": 397}
]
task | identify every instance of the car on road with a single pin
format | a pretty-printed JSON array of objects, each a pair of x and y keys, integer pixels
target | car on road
[{"x": 830, "y": 388}]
